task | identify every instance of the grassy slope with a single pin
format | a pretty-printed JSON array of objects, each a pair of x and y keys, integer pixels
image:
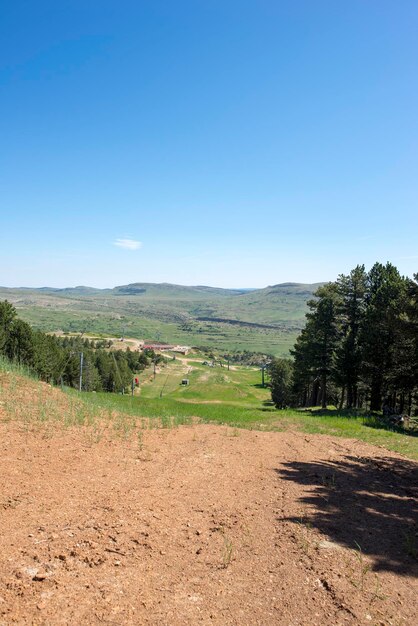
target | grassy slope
[
  {"x": 235, "y": 398},
  {"x": 232, "y": 398},
  {"x": 171, "y": 313}
]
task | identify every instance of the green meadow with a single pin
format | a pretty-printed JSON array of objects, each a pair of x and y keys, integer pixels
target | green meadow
[
  {"x": 235, "y": 398},
  {"x": 223, "y": 337},
  {"x": 263, "y": 320}
]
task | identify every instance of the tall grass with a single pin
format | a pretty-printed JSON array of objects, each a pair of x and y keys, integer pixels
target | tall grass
[
  {"x": 250, "y": 408},
  {"x": 13, "y": 367},
  {"x": 166, "y": 408},
  {"x": 171, "y": 411}
]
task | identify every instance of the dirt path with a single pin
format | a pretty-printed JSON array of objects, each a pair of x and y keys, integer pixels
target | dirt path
[{"x": 204, "y": 525}]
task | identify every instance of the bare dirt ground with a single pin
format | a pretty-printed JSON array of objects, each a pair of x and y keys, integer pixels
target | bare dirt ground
[{"x": 204, "y": 525}]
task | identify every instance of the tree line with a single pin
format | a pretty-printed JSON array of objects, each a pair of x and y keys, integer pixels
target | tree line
[
  {"x": 359, "y": 347},
  {"x": 57, "y": 359}
]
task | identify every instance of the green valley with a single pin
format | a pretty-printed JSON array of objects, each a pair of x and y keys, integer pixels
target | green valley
[{"x": 263, "y": 320}]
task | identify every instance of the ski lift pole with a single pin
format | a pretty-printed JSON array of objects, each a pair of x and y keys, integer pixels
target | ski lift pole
[{"x": 81, "y": 371}]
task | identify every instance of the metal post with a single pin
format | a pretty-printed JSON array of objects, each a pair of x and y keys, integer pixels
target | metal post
[
  {"x": 262, "y": 374},
  {"x": 81, "y": 371}
]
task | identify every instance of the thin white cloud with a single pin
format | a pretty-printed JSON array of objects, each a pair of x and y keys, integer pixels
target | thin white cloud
[
  {"x": 128, "y": 244},
  {"x": 366, "y": 237}
]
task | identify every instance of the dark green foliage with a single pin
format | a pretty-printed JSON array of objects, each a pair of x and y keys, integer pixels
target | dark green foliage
[
  {"x": 314, "y": 351},
  {"x": 57, "y": 360},
  {"x": 360, "y": 343},
  {"x": 348, "y": 356},
  {"x": 16, "y": 337},
  {"x": 7, "y": 316},
  {"x": 323, "y": 322},
  {"x": 280, "y": 372},
  {"x": 381, "y": 332},
  {"x": 48, "y": 357},
  {"x": 20, "y": 342}
]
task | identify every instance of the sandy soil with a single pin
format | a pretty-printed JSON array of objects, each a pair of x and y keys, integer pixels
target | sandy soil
[{"x": 204, "y": 525}]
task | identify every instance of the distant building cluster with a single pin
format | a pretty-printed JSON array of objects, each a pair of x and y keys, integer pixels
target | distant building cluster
[{"x": 163, "y": 347}]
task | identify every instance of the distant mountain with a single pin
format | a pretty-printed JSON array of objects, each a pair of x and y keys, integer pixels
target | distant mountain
[
  {"x": 292, "y": 289},
  {"x": 265, "y": 320},
  {"x": 81, "y": 291},
  {"x": 169, "y": 290},
  {"x": 78, "y": 291},
  {"x": 309, "y": 287}
]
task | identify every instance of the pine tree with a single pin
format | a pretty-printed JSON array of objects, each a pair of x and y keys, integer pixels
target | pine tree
[
  {"x": 20, "y": 343},
  {"x": 385, "y": 299},
  {"x": 280, "y": 371},
  {"x": 352, "y": 290},
  {"x": 7, "y": 316},
  {"x": 305, "y": 385},
  {"x": 324, "y": 334}
]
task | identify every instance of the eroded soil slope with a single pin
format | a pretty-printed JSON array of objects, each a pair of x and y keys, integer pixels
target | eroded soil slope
[{"x": 204, "y": 525}]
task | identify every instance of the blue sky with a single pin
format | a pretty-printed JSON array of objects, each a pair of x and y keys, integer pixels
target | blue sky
[{"x": 229, "y": 143}]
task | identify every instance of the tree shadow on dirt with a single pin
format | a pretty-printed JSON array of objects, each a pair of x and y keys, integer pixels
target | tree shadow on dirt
[{"x": 363, "y": 502}]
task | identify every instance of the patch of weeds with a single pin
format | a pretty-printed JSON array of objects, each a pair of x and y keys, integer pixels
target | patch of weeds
[
  {"x": 140, "y": 440},
  {"x": 126, "y": 430},
  {"x": 123, "y": 426},
  {"x": 68, "y": 416},
  {"x": 227, "y": 552},
  {"x": 303, "y": 541},
  {"x": 183, "y": 420},
  {"x": 247, "y": 534},
  {"x": 362, "y": 569},
  {"x": 47, "y": 431},
  {"x": 94, "y": 434},
  {"x": 377, "y": 593},
  {"x": 358, "y": 575},
  {"x": 166, "y": 422},
  {"x": 302, "y": 538},
  {"x": 79, "y": 416},
  {"x": 12, "y": 383},
  {"x": 42, "y": 413},
  {"x": 8, "y": 412},
  {"x": 305, "y": 544},
  {"x": 304, "y": 521}
]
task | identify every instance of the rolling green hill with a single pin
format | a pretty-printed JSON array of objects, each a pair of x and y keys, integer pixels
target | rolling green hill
[{"x": 264, "y": 320}]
